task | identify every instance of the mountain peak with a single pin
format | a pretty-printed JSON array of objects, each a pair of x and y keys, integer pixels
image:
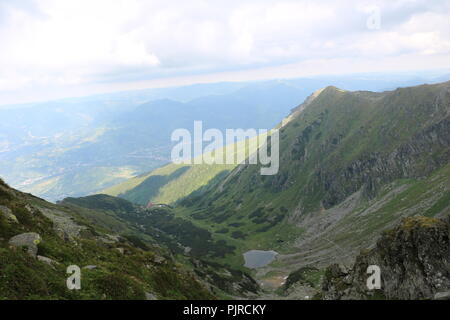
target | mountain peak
[
  {"x": 313, "y": 96},
  {"x": 332, "y": 89}
]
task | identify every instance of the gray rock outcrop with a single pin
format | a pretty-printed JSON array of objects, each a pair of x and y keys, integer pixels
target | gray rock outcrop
[
  {"x": 29, "y": 240},
  {"x": 150, "y": 296},
  {"x": 7, "y": 213},
  {"x": 47, "y": 260},
  {"x": 442, "y": 296},
  {"x": 414, "y": 260}
]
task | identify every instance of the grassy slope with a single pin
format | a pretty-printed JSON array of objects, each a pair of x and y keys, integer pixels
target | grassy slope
[
  {"x": 342, "y": 239},
  {"x": 141, "y": 268},
  {"x": 333, "y": 130},
  {"x": 162, "y": 226},
  {"x": 171, "y": 186},
  {"x": 336, "y": 130}
]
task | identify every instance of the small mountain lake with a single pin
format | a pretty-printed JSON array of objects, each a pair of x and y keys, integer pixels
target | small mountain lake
[{"x": 259, "y": 258}]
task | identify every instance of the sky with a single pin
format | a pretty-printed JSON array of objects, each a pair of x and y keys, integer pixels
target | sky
[{"x": 61, "y": 48}]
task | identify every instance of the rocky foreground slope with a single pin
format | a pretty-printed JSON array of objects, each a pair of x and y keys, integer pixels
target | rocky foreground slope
[
  {"x": 40, "y": 240},
  {"x": 414, "y": 262}
]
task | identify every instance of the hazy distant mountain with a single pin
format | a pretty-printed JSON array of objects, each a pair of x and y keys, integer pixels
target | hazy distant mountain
[{"x": 79, "y": 146}]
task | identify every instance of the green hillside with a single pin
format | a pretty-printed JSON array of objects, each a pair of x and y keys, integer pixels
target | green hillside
[
  {"x": 344, "y": 142},
  {"x": 173, "y": 182},
  {"x": 80, "y": 146},
  {"x": 352, "y": 164},
  {"x": 39, "y": 240},
  {"x": 343, "y": 155},
  {"x": 49, "y": 238}
]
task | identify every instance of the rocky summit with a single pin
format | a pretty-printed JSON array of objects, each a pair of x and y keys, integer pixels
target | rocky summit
[{"x": 414, "y": 260}]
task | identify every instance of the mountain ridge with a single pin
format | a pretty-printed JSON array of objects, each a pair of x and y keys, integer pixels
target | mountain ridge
[
  {"x": 353, "y": 165},
  {"x": 346, "y": 158},
  {"x": 40, "y": 240}
]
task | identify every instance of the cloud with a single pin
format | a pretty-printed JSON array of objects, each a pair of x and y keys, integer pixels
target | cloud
[{"x": 62, "y": 44}]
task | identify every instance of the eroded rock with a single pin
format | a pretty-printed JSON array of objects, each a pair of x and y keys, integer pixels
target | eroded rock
[
  {"x": 90, "y": 267},
  {"x": 7, "y": 213},
  {"x": 150, "y": 296},
  {"x": 29, "y": 240},
  {"x": 442, "y": 296},
  {"x": 414, "y": 260},
  {"x": 47, "y": 260}
]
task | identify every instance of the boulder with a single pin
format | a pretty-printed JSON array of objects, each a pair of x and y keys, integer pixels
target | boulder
[
  {"x": 29, "y": 240},
  {"x": 7, "y": 213},
  {"x": 414, "y": 261},
  {"x": 150, "y": 296},
  {"x": 90, "y": 267},
  {"x": 442, "y": 295},
  {"x": 47, "y": 260},
  {"x": 159, "y": 259}
]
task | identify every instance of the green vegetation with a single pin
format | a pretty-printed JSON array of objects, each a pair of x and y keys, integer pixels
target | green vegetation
[
  {"x": 125, "y": 267},
  {"x": 162, "y": 226},
  {"x": 351, "y": 165},
  {"x": 309, "y": 276},
  {"x": 173, "y": 182},
  {"x": 336, "y": 144}
]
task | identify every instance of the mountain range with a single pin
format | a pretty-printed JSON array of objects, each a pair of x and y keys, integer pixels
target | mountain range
[
  {"x": 363, "y": 180},
  {"x": 352, "y": 164},
  {"x": 80, "y": 146}
]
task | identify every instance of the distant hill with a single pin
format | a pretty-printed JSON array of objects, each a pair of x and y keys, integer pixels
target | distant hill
[{"x": 65, "y": 149}]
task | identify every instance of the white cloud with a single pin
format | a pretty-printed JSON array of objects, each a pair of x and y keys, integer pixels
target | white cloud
[{"x": 60, "y": 44}]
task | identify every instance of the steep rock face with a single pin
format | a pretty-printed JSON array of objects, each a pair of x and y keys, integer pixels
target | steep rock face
[
  {"x": 6, "y": 212},
  {"x": 341, "y": 142},
  {"x": 29, "y": 240},
  {"x": 414, "y": 260},
  {"x": 409, "y": 160}
]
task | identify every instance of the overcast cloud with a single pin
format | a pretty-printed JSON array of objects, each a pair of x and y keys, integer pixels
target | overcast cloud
[{"x": 56, "y": 48}]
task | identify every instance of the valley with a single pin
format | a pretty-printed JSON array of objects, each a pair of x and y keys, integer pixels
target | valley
[
  {"x": 81, "y": 146},
  {"x": 353, "y": 165},
  {"x": 308, "y": 213},
  {"x": 211, "y": 158}
]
